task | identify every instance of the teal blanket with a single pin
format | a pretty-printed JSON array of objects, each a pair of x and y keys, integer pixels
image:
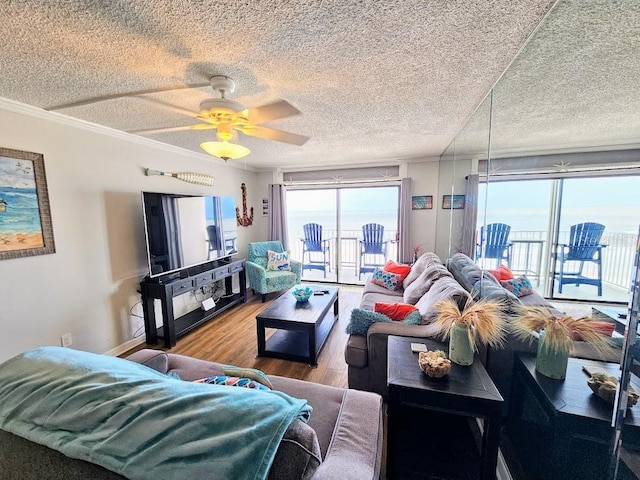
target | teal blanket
[{"x": 140, "y": 423}]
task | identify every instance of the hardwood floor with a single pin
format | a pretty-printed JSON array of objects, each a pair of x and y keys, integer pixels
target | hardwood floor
[{"x": 231, "y": 338}]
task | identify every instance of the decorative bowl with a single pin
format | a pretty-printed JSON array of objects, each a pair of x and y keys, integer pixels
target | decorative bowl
[
  {"x": 434, "y": 363},
  {"x": 302, "y": 294}
]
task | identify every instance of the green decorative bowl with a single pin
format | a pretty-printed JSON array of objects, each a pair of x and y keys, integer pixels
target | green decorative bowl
[{"x": 302, "y": 294}]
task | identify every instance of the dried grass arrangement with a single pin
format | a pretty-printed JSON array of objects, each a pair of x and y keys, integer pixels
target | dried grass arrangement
[
  {"x": 486, "y": 317},
  {"x": 559, "y": 332}
]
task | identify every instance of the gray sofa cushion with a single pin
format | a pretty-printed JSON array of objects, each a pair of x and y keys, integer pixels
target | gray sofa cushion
[
  {"x": 444, "y": 288},
  {"x": 298, "y": 455},
  {"x": 425, "y": 260},
  {"x": 421, "y": 285},
  {"x": 489, "y": 288},
  {"x": 464, "y": 270}
]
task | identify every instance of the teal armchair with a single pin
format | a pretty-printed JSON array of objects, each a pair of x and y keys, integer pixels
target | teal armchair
[{"x": 262, "y": 281}]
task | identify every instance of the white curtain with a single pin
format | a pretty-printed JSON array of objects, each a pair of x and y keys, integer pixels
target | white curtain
[
  {"x": 470, "y": 217},
  {"x": 405, "y": 249},
  {"x": 278, "y": 214}
]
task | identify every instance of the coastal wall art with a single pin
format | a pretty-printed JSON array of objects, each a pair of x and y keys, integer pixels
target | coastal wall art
[{"x": 25, "y": 217}]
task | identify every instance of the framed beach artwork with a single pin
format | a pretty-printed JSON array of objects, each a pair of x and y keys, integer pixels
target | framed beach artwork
[
  {"x": 422, "y": 202},
  {"x": 25, "y": 217},
  {"x": 453, "y": 202}
]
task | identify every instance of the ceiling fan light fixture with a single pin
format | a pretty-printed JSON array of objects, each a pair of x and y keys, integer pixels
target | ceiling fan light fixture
[{"x": 225, "y": 150}]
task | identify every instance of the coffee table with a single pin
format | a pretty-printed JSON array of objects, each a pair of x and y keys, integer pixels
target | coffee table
[
  {"x": 617, "y": 314},
  {"x": 301, "y": 328},
  {"x": 466, "y": 392}
]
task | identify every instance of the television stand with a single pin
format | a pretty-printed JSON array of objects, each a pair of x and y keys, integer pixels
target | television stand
[{"x": 165, "y": 291}]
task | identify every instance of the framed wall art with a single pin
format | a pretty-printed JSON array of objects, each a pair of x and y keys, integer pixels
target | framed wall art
[
  {"x": 25, "y": 217},
  {"x": 422, "y": 202},
  {"x": 453, "y": 202}
]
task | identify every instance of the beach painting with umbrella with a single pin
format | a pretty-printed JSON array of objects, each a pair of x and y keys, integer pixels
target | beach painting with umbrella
[{"x": 25, "y": 219}]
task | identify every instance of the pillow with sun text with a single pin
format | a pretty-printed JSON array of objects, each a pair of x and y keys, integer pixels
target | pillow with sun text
[{"x": 278, "y": 261}]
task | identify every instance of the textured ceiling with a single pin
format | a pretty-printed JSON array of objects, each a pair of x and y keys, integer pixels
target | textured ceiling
[{"x": 375, "y": 80}]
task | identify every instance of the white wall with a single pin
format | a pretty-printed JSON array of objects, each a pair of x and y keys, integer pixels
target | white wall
[
  {"x": 94, "y": 179},
  {"x": 424, "y": 181}
]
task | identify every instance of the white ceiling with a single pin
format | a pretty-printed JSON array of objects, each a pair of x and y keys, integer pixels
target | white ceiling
[{"x": 376, "y": 81}]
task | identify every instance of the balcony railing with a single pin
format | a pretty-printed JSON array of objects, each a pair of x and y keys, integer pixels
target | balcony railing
[
  {"x": 349, "y": 246},
  {"x": 530, "y": 248}
]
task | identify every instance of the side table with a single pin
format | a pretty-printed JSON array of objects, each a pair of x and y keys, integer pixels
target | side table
[
  {"x": 559, "y": 428},
  {"x": 465, "y": 391}
]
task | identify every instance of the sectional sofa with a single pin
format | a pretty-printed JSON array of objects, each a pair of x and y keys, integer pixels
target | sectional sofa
[
  {"x": 430, "y": 281},
  {"x": 342, "y": 438}
]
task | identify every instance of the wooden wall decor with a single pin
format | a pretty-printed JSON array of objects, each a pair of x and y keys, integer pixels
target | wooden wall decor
[{"x": 244, "y": 220}]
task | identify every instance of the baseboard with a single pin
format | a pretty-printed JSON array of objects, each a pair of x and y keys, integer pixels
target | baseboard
[{"x": 125, "y": 347}]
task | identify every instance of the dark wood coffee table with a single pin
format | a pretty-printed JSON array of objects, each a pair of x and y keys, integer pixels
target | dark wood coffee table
[
  {"x": 466, "y": 392},
  {"x": 301, "y": 328}
]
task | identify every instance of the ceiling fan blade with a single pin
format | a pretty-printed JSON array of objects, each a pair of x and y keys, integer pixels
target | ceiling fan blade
[
  {"x": 273, "y": 134},
  {"x": 169, "y": 106},
  {"x": 197, "y": 126},
  {"x": 103, "y": 98},
  {"x": 272, "y": 111}
]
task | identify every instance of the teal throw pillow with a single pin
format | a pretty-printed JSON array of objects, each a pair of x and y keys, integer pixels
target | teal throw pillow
[
  {"x": 519, "y": 286},
  {"x": 362, "y": 319}
]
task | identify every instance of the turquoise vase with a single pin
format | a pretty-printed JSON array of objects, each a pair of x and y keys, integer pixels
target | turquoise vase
[
  {"x": 551, "y": 363},
  {"x": 461, "y": 344}
]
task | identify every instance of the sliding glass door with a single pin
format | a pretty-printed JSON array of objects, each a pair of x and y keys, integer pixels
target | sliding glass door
[
  {"x": 341, "y": 213},
  {"x": 573, "y": 237}
]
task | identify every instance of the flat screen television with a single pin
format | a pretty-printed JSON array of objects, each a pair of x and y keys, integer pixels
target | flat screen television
[{"x": 183, "y": 231}]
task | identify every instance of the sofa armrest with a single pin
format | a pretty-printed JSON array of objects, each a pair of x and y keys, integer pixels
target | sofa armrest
[
  {"x": 257, "y": 276},
  {"x": 355, "y": 451}
]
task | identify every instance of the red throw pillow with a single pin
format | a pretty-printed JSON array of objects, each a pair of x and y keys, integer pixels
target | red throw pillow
[
  {"x": 395, "y": 311},
  {"x": 393, "y": 267},
  {"x": 502, "y": 273},
  {"x": 603, "y": 328}
]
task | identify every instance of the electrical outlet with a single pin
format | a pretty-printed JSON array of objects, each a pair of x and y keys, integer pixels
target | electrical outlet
[{"x": 66, "y": 340}]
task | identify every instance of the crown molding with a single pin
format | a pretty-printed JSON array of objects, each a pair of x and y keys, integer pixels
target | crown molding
[{"x": 41, "y": 114}]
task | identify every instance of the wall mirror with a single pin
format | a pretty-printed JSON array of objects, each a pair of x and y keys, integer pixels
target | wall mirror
[{"x": 556, "y": 144}]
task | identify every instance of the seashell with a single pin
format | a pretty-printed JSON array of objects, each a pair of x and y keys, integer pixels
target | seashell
[{"x": 434, "y": 363}]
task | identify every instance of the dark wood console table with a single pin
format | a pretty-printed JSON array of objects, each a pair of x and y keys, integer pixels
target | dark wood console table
[{"x": 165, "y": 290}]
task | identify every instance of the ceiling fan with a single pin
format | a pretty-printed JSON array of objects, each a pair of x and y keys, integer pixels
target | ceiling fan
[{"x": 228, "y": 117}]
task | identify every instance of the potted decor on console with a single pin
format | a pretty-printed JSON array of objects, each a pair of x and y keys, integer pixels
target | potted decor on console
[
  {"x": 555, "y": 337},
  {"x": 482, "y": 320}
]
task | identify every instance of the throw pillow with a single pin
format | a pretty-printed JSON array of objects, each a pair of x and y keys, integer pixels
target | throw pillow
[
  {"x": 393, "y": 267},
  {"x": 252, "y": 373},
  {"x": 362, "y": 319},
  {"x": 520, "y": 286},
  {"x": 278, "y": 261},
  {"x": 395, "y": 311},
  {"x": 387, "y": 280},
  {"x": 233, "y": 382},
  {"x": 502, "y": 273},
  {"x": 603, "y": 328}
]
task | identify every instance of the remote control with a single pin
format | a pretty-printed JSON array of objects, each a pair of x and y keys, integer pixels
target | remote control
[{"x": 419, "y": 347}]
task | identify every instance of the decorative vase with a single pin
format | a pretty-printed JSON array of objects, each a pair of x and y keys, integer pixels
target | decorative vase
[
  {"x": 461, "y": 344},
  {"x": 549, "y": 362}
]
